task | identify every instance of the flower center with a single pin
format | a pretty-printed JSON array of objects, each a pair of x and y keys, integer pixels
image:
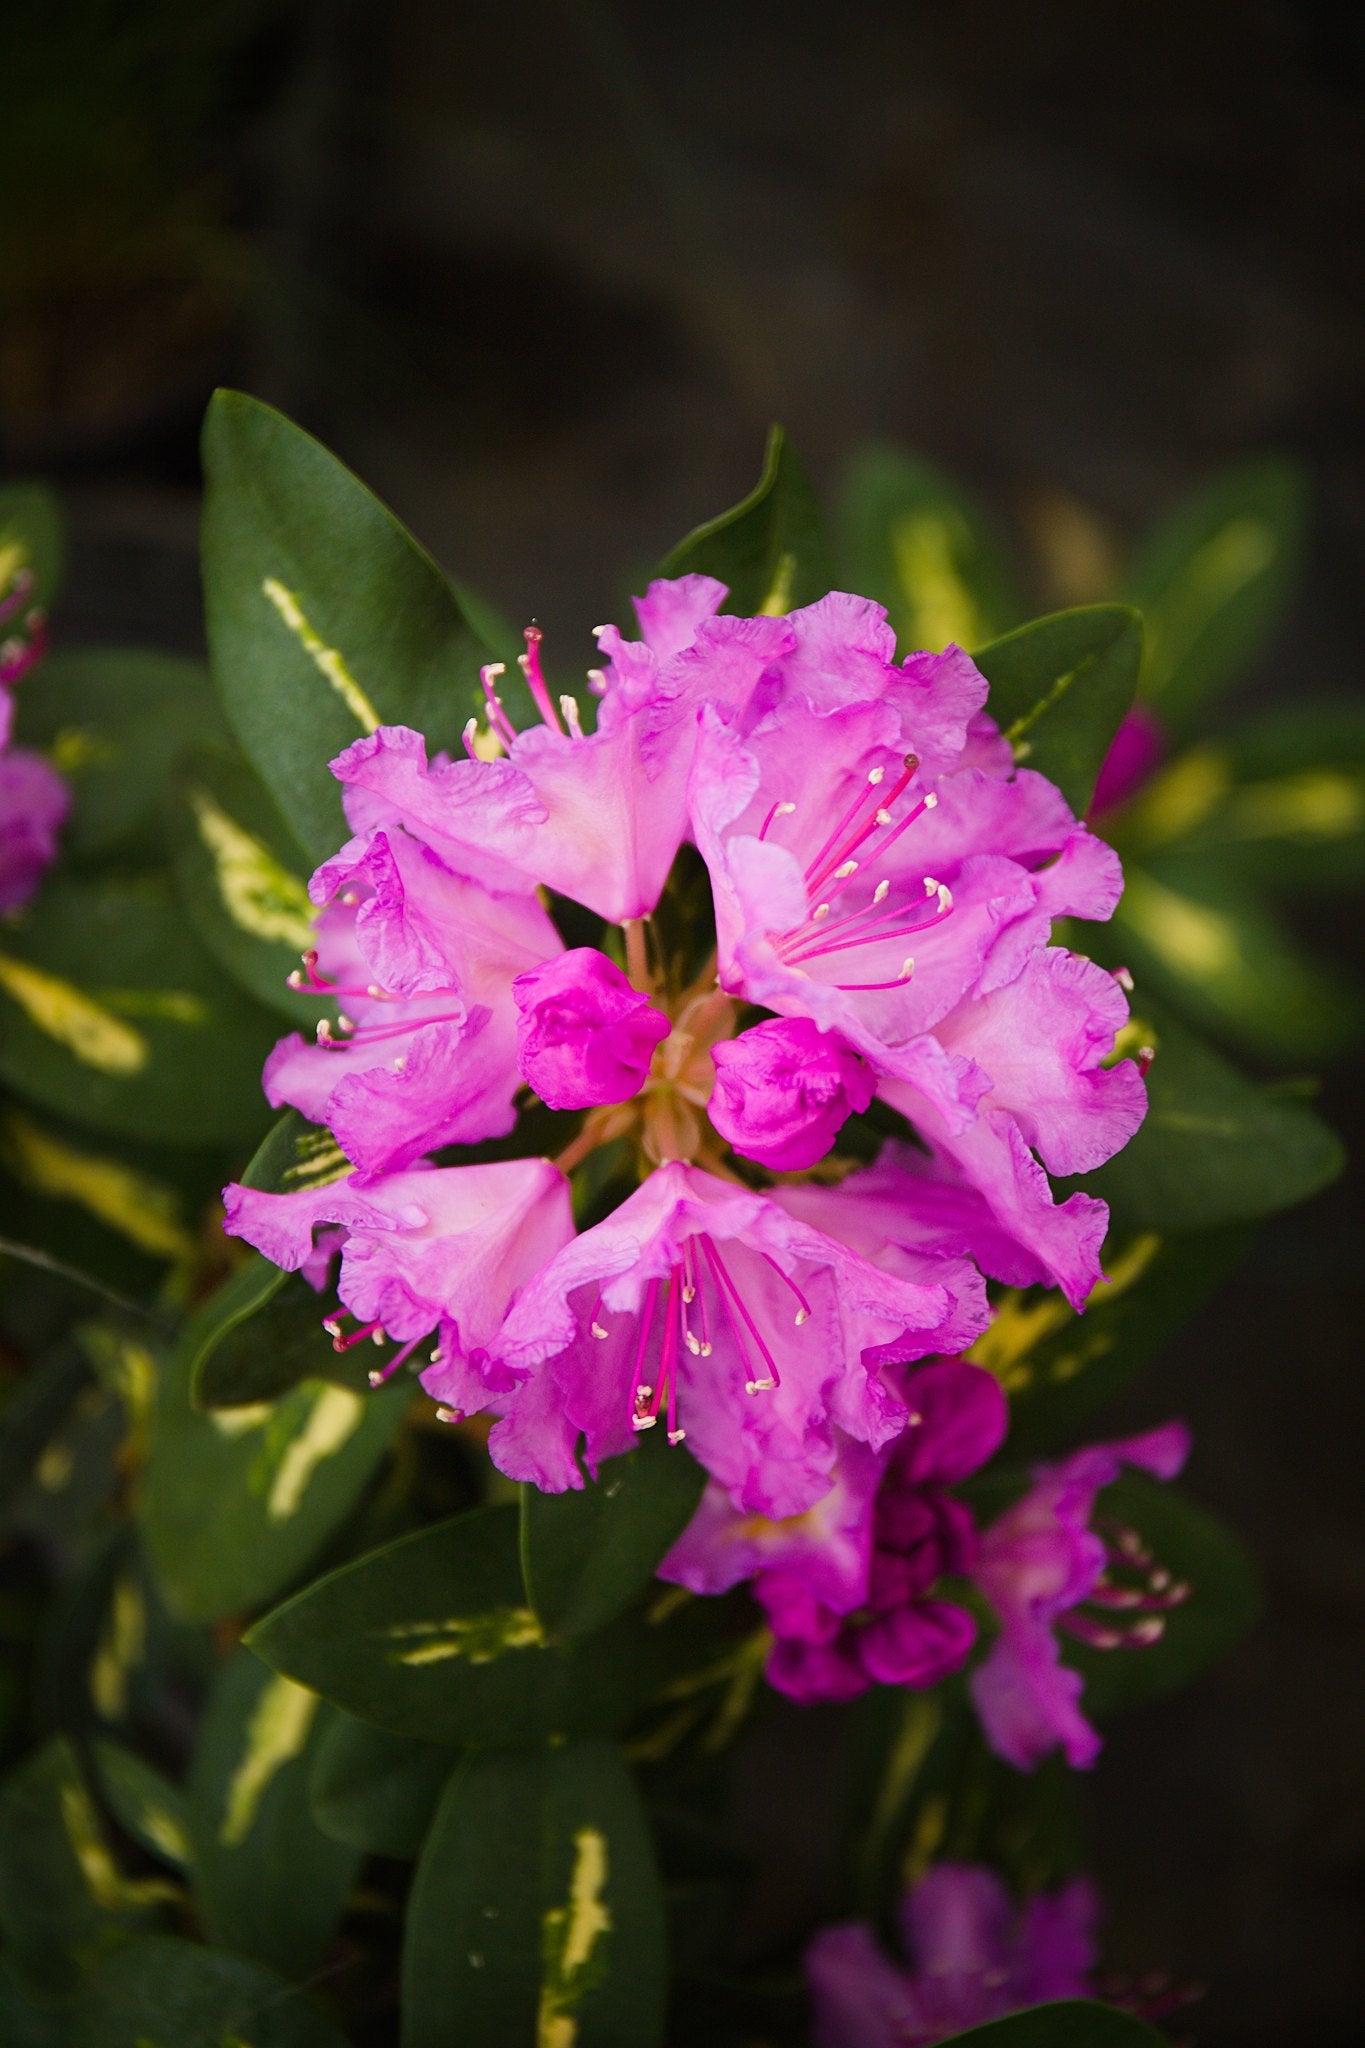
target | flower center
[
  {"x": 861, "y": 840},
  {"x": 699, "y": 1304}
]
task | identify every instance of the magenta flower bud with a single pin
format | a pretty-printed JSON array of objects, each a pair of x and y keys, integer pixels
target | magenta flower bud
[
  {"x": 784, "y": 1089},
  {"x": 584, "y": 1036}
]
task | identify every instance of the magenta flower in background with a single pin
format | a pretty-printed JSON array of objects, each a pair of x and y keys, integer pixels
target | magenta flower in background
[
  {"x": 1043, "y": 1566},
  {"x": 1135, "y": 752},
  {"x": 585, "y": 1037},
  {"x": 973, "y": 1955},
  {"x": 34, "y": 802}
]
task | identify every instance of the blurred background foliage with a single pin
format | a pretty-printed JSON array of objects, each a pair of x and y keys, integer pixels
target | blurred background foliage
[{"x": 544, "y": 277}]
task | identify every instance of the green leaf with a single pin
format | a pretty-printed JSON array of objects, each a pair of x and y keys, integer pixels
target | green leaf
[
  {"x": 236, "y": 1503},
  {"x": 1072, "y": 2023},
  {"x": 585, "y": 1555},
  {"x": 1214, "y": 1148},
  {"x": 912, "y": 540},
  {"x": 267, "y": 1336},
  {"x": 61, "y": 1892},
  {"x": 1059, "y": 690},
  {"x": 770, "y": 550},
  {"x": 269, "y": 1884},
  {"x": 31, "y": 545},
  {"x": 1207, "y": 942},
  {"x": 237, "y": 870},
  {"x": 535, "y": 1912},
  {"x": 1213, "y": 582},
  {"x": 430, "y": 1636},
  {"x": 158, "y": 1992},
  {"x": 375, "y": 1790},
  {"x": 34, "y": 1409},
  {"x": 325, "y": 618},
  {"x": 1058, "y": 1368},
  {"x": 113, "y": 721},
  {"x": 1197, "y": 1550},
  {"x": 149, "y": 1807},
  {"x": 110, "y": 1012}
]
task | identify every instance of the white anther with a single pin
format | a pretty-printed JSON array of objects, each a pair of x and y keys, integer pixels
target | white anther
[
  {"x": 642, "y": 1393},
  {"x": 493, "y": 668},
  {"x": 913, "y": 1419},
  {"x": 802, "y": 1316},
  {"x": 332, "y": 1327},
  {"x": 784, "y": 810},
  {"x": 376, "y": 993},
  {"x": 675, "y": 1436},
  {"x": 350, "y": 897},
  {"x": 323, "y": 1032},
  {"x": 471, "y": 726},
  {"x": 447, "y": 1415},
  {"x": 1124, "y": 979},
  {"x": 376, "y": 1379},
  {"x": 875, "y": 775},
  {"x": 598, "y": 631},
  {"x": 569, "y": 706},
  {"x": 345, "y": 1023},
  {"x": 945, "y": 897},
  {"x": 435, "y": 1356},
  {"x": 706, "y": 1350},
  {"x": 907, "y": 967},
  {"x": 643, "y": 1421},
  {"x": 294, "y": 980},
  {"x": 379, "y": 1336},
  {"x": 598, "y": 1331},
  {"x": 850, "y": 867},
  {"x": 764, "y": 1386},
  {"x": 881, "y": 892},
  {"x": 930, "y": 884},
  {"x": 820, "y": 910},
  {"x": 689, "y": 1293},
  {"x": 400, "y": 1063},
  {"x": 883, "y": 815},
  {"x": 694, "y": 1345},
  {"x": 931, "y": 802},
  {"x": 598, "y": 679}
]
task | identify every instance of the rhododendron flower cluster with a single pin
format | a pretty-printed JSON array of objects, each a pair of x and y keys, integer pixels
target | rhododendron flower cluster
[{"x": 883, "y": 881}]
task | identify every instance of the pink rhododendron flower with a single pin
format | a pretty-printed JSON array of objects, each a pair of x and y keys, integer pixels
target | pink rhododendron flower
[
  {"x": 784, "y": 1090},
  {"x": 703, "y": 1305},
  {"x": 848, "y": 1586},
  {"x": 584, "y": 1035},
  {"x": 34, "y": 802},
  {"x": 973, "y": 1955},
  {"x": 434, "y": 1251},
  {"x": 1042, "y": 1566}
]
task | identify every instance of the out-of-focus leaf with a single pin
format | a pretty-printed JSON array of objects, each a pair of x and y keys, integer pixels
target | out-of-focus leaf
[
  {"x": 1213, "y": 582},
  {"x": 148, "y": 1806},
  {"x": 61, "y": 1891},
  {"x": 109, "y": 1208},
  {"x": 1213, "y": 1148},
  {"x": 375, "y": 1790},
  {"x": 770, "y": 550},
  {"x": 235, "y": 1503},
  {"x": 585, "y": 1555},
  {"x": 112, "y": 721},
  {"x": 34, "y": 1409},
  {"x": 325, "y": 618},
  {"x": 238, "y": 872},
  {"x": 159, "y": 1992},
  {"x": 1208, "y": 943},
  {"x": 111, "y": 1012},
  {"x": 1059, "y": 689},
  {"x": 431, "y": 1636},
  {"x": 535, "y": 1911},
  {"x": 911, "y": 539},
  {"x": 31, "y": 551},
  {"x": 269, "y": 1884},
  {"x": 1198, "y": 1551},
  {"x": 1072, "y": 2023},
  {"x": 1058, "y": 1367}
]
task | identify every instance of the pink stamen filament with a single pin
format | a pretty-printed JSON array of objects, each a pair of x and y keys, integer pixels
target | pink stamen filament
[
  {"x": 310, "y": 983},
  {"x": 498, "y": 720},
  {"x": 814, "y": 947},
  {"x": 804, "y": 1309},
  {"x": 379, "y": 1034},
  {"x": 731, "y": 1294},
  {"x": 400, "y": 1358},
  {"x": 529, "y": 664},
  {"x": 832, "y": 857},
  {"x": 332, "y": 1326}
]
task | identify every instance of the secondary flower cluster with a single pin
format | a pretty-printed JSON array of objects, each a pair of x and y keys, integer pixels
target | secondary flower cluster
[
  {"x": 883, "y": 882},
  {"x": 33, "y": 798}
]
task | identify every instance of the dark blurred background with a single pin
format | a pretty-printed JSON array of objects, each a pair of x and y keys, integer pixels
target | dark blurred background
[{"x": 543, "y": 274}]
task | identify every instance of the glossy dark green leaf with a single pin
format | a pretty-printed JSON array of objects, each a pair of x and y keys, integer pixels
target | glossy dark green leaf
[
  {"x": 1198, "y": 1551},
  {"x": 31, "y": 548},
  {"x": 770, "y": 550},
  {"x": 1214, "y": 1148},
  {"x": 269, "y": 1337},
  {"x": 146, "y": 1805},
  {"x": 1059, "y": 689},
  {"x": 431, "y": 1637},
  {"x": 234, "y": 1504},
  {"x": 160, "y": 1992},
  {"x": 325, "y": 618},
  {"x": 241, "y": 878},
  {"x": 535, "y": 1912},
  {"x": 61, "y": 1892},
  {"x": 585, "y": 1555},
  {"x": 113, "y": 720},
  {"x": 111, "y": 1012},
  {"x": 1072, "y": 2023},
  {"x": 1058, "y": 1367},
  {"x": 375, "y": 1790},
  {"x": 268, "y": 1883},
  {"x": 33, "y": 1411},
  {"x": 1214, "y": 580},
  {"x": 912, "y": 540}
]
